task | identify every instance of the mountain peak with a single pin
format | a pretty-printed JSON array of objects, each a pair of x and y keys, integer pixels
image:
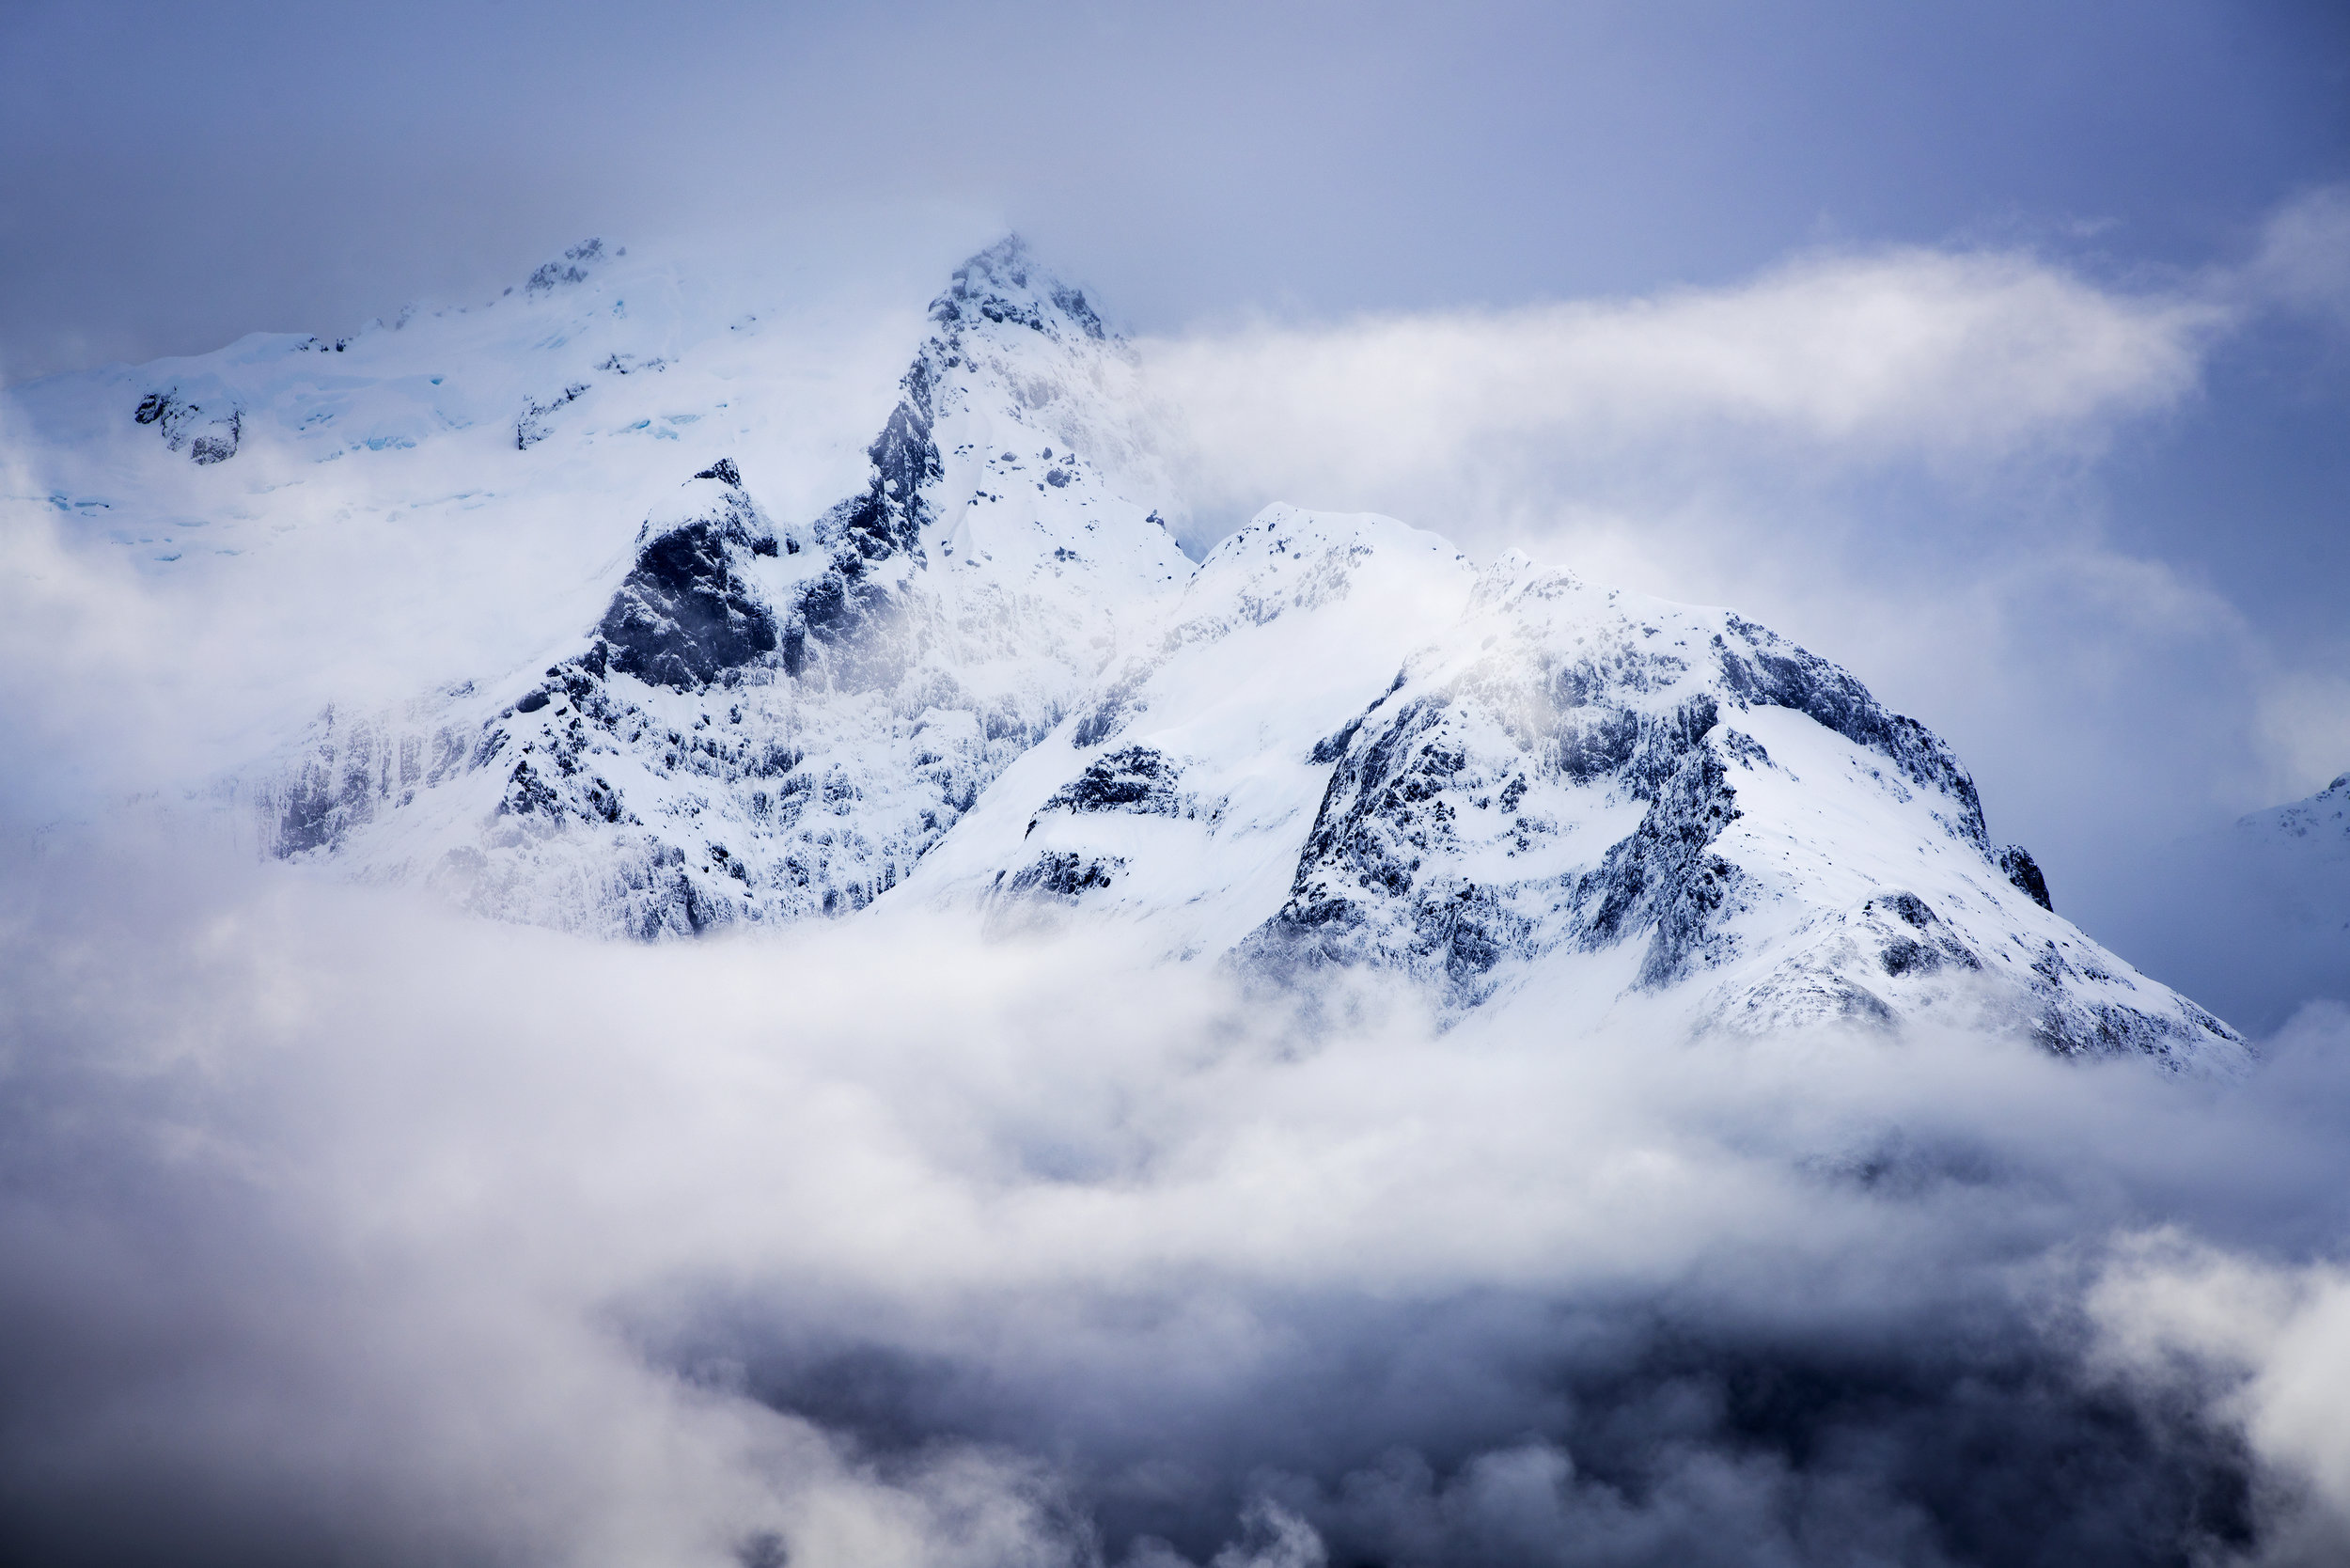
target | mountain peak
[
  {"x": 1006, "y": 283},
  {"x": 570, "y": 267},
  {"x": 2323, "y": 818}
]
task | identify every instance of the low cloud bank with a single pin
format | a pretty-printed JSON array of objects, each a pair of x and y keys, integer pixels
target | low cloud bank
[{"x": 339, "y": 1228}]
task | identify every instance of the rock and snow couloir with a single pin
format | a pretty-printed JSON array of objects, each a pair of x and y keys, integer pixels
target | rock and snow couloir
[{"x": 988, "y": 680}]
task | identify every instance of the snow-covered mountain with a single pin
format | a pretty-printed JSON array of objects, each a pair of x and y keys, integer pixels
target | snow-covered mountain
[
  {"x": 771, "y": 720},
  {"x": 2297, "y": 857},
  {"x": 987, "y": 679},
  {"x": 2315, "y": 830},
  {"x": 1352, "y": 747}
]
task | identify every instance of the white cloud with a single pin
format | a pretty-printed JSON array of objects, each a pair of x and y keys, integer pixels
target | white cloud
[
  {"x": 1915, "y": 354},
  {"x": 2268, "y": 1345},
  {"x": 591, "y": 1254},
  {"x": 2304, "y": 258},
  {"x": 1892, "y": 457}
]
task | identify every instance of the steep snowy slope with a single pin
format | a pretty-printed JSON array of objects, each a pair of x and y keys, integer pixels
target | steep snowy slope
[
  {"x": 1350, "y": 750},
  {"x": 2297, "y": 859},
  {"x": 770, "y": 722},
  {"x": 2286, "y": 871}
]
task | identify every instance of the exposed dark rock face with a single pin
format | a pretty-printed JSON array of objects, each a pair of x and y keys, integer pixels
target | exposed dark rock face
[
  {"x": 1662, "y": 879},
  {"x": 685, "y": 614},
  {"x": 847, "y": 629},
  {"x": 352, "y": 768},
  {"x": 844, "y": 623},
  {"x": 1103, "y": 720},
  {"x": 847, "y": 624},
  {"x": 1044, "y": 891},
  {"x": 890, "y": 514},
  {"x": 807, "y": 744},
  {"x": 1063, "y": 876},
  {"x": 531, "y": 425},
  {"x": 2072, "y": 1028},
  {"x": 1393, "y": 805},
  {"x": 1331, "y": 748},
  {"x": 572, "y": 266},
  {"x": 1634, "y": 716},
  {"x": 979, "y": 290},
  {"x": 1932, "y": 950},
  {"x": 2016, "y": 863},
  {"x": 1137, "y": 779},
  {"x": 209, "y": 431},
  {"x": 1358, "y": 895},
  {"x": 319, "y": 804}
]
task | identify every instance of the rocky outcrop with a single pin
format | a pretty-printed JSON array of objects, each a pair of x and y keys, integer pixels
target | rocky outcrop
[
  {"x": 1569, "y": 701},
  {"x": 209, "y": 426},
  {"x": 533, "y": 425},
  {"x": 571, "y": 267},
  {"x": 2024, "y": 872},
  {"x": 687, "y": 614}
]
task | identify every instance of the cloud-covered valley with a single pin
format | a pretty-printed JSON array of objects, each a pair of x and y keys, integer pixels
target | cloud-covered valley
[{"x": 340, "y": 1226}]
